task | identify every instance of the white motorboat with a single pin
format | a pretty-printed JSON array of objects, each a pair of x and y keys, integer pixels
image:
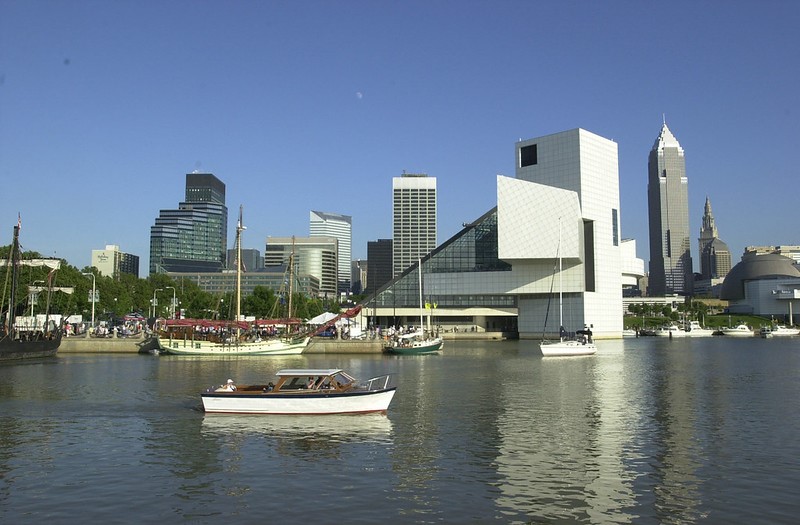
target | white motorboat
[
  {"x": 672, "y": 330},
  {"x": 303, "y": 391},
  {"x": 740, "y": 330},
  {"x": 785, "y": 330},
  {"x": 695, "y": 330}
]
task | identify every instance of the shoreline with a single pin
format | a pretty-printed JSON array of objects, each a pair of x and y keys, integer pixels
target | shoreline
[{"x": 133, "y": 345}]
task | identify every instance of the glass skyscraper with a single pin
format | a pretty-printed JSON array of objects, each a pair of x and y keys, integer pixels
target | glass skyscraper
[
  {"x": 668, "y": 204},
  {"x": 194, "y": 237}
]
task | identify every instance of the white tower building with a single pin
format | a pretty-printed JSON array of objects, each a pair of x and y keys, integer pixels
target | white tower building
[
  {"x": 340, "y": 227},
  {"x": 413, "y": 219}
]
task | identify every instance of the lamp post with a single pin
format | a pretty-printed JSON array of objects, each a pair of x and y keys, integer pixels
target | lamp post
[
  {"x": 155, "y": 301},
  {"x": 94, "y": 294},
  {"x": 173, "y": 300},
  {"x": 34, "y": 294}
]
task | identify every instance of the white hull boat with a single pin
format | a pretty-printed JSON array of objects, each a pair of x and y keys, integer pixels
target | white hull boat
[
  {"x": 741, "y": 330},
  {"x": 582, "y": 345},
  {"x": 695, "y": 330},
  {"x": 567, "y": 348},
  {"x": 782, "y": 331},
  {"x": 264, "y": 347},
  {"x": 671, "y": 331},
  {"x": 303, "y": 391}
]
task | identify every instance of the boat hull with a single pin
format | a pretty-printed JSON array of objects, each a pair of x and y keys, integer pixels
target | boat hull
[
  {"x": 353, "y": 402},
  {"x": 567, "y": 348},
  {"x": 11, "y": 349},
  {"x": 418, "y": 349},
  {"x": 267, "y": 347}
]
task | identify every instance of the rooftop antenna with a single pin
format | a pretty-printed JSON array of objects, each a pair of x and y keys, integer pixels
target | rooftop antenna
[{"x": 664, "y": 118}]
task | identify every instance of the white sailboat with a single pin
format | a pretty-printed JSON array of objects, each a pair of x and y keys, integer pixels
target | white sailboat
[
  {"x": 564, "y": 346},
  {"x": 235, "y": 343}
]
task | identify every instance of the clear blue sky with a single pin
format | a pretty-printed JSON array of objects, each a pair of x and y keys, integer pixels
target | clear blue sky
[{"x": 316, "y": 105}]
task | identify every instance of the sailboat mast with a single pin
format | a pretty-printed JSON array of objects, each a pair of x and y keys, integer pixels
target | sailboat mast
[
  {"x": 14, "y": 278},
  {"x": 421, "y": 314},
  {"x": 239, "y": 229},
  {"x": 560, "y": 284},
  {"x": 291, "y": 282}
]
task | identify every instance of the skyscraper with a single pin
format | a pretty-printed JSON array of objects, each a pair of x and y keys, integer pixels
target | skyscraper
[
  {"x": 668, "y": 204},
  {"x": 192, "y": 238},
  {"x": 413, "y": 219},
  {"x": 715, "y": 257},
  {"x": 340, "y": 227}
]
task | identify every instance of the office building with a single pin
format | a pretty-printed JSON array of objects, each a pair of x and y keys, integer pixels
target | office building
[
  {"x": 668, "y": 207},
  {"x": 379, "y": 264},
  {"x": 251, "y": 260},
  {"x": 715, "y": 257},
  {"x": 323, "y": 224},
  {"x": 314, "y": 256},
  {"x": 111, "y": 262},
  {"x": 413, "y": 219},
  {"x": 192, "y": 238}
]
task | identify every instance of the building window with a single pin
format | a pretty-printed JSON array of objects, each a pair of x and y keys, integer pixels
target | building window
[
  {"x": 528, "y": 156},
  {"x": 615, "y": 227}
]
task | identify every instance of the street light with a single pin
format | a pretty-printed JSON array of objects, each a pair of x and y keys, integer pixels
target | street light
[
  {"x": 34, "y": 293},
  {"x": 155, "y": 301},
  {"x": 94, "y": 294},
  {"x": 173, "y": 300}
]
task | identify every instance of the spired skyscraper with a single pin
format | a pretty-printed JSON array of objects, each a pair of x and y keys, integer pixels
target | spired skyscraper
[
  {"x": 715, "y": 257},
  {"x": 194, "y": 237},
  {"x": 413, "y": 219},
  {"x": 668, "y": 204},
  {"x": 340, "y": 227}
]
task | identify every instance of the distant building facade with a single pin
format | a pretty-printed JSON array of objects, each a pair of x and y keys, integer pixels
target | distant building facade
[
  {"x": 715, "y": 257},
  {"x": 632, "y": 269},
  {"x": 251, "y": 260},
  {"x": 314, "y": 256},
  {"x": 414, "y": 219},
  {"x": 359, "y": 271},
  {"x": 496, "y": 274},
  {"x": 192, "y": 238},
  {"x": 324, "y": 224},
  {"x": 379, "y": 261},
  {"x": 111, "y": 262},
  {"x": 668, "y": 207}
]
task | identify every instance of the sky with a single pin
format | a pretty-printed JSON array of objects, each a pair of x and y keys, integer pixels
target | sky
[{"x": 316, "y": 105}]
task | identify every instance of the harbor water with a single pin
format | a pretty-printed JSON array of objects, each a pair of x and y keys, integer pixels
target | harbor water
[{"x": 646, "y": 431}]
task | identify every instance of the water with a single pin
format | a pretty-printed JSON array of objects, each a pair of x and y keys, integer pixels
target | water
[{"x": 646, "y": 431}]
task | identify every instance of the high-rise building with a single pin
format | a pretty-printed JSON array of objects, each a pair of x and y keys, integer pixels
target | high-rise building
[
  {"x": 314, "y": 256},
  {"x": 413, "y": 219},
  {"x": 668, "y": 205},
  {"x": 715, "y": 257},
  {"x": 251, "y": 260},
  {"x": 322, "y": 224},
  {"x": 194, "y": 237},
  {"x": 111, "y": 262},
  {"x": 379, "y": 264}
]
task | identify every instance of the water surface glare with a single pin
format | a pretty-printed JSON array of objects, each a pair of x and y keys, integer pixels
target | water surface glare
[{"x": 646, "y": 431}]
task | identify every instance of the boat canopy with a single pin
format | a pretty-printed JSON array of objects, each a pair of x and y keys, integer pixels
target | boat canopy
[{"x": 308, "y": 372}]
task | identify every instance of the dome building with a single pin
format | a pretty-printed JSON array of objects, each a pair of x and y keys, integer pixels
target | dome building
[{"x": 763, "y": 284}]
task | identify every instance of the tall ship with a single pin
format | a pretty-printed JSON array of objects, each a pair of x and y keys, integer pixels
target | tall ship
[
  {"x": 202, "y": 337},
  {"x": 19, "y": 338}
]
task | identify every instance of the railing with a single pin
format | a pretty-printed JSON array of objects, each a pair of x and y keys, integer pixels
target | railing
[{"x": 377, "y": 383}]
